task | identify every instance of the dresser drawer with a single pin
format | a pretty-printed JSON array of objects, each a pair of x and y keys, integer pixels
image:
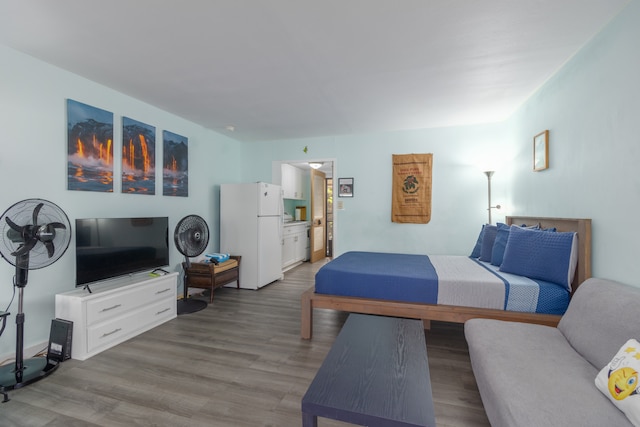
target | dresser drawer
[
  {"x": 117, "y": 311},
  {"x": 112, "y": 306},
  {"x": 124, "y": 327}
]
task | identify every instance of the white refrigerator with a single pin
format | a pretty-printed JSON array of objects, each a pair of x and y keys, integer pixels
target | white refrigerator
[{"x": 251, "y": 226}]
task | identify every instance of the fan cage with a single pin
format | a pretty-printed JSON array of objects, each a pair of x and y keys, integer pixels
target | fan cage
[
  {"x": 191, "y": 236},
  {"x": 21, "y": 213}
]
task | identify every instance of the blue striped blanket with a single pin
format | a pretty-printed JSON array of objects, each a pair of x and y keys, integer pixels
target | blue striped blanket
[{"x": 437, "y": 279}]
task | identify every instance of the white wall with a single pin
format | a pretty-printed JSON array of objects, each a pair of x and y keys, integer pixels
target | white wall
[
  {"x": 592, "y": 110},
  {"x": 33, "y": 165}
]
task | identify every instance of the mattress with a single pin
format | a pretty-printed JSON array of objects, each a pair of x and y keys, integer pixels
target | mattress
[{"x": 437, "y": 279}]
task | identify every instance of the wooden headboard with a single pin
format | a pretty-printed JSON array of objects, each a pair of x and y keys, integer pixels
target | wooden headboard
[{"x": 581, "y": 226}]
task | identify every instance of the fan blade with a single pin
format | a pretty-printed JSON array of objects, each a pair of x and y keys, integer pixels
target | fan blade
[
  {"x": 57, "y": 225},
  {"x": 24, "y": 249},
  {"x": 50, "y": 248},
  {"x": 36, "y": 212},
  {"x": 13, "y": 225}
]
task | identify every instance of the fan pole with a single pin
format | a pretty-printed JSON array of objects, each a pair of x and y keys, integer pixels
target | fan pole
[
  {"x": 23, "y": 372},
  {"x": 185, "y": 277},
  {"x": 22, "y": 271},
  {"x": 19, "y": 338},
  {"x": 188, "y": 305}
]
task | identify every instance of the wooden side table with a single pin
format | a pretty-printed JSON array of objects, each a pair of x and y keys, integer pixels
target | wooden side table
[{"x": 206, "y": 275}]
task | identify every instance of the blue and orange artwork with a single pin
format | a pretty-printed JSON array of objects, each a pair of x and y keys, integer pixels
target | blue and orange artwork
[
  {"x": 138, "y": 157},
  {"x": 89, "y": 148},
  {"x": 175, "y": 165}
]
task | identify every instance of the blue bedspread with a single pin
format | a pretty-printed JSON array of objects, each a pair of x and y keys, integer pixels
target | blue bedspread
[
  {"x": 380, "y": 276},
  {"x": 450, "y": 280}
]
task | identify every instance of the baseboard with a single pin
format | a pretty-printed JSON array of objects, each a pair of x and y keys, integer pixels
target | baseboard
[{"x": 28, "y": 352}]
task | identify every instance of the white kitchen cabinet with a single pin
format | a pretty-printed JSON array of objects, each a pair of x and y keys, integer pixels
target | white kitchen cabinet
[
  {"x": 292, "y": 182},
  {"x": 294, "y": 244},
  {"x": 114, "y": 312},
  {"x": 288, "y": 248},
  {"x": 301, "y": 244}
]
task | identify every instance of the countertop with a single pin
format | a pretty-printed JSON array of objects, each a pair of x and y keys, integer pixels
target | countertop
[{"x": 288, "y": 223}]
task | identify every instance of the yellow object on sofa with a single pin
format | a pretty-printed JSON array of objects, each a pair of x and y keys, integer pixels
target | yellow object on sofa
[{"x": 618, "y": 380}]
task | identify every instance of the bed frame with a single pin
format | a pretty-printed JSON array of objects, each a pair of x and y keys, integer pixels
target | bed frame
[{"x": 451, "y": 313}]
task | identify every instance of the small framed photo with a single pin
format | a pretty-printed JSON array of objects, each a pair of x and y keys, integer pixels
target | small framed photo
[
  {"x": 541, "y": 151},
  {"x": 345, "y": 187}
]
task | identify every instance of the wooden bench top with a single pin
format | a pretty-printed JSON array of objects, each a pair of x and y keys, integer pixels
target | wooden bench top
[{"x": 376, "y": 374}]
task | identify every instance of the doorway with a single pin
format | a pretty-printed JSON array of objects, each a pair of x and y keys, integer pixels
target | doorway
[
  {"x": 328, "y": 219},
  {"x": 318, "y": 229}
]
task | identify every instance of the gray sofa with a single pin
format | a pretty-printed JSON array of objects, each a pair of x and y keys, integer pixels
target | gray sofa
[{"x": 532, "y": 375}]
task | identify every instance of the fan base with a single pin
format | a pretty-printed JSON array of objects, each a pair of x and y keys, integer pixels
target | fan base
[
  {"x": 34, "y": 369},
  {"x": 186, "y": 306}
]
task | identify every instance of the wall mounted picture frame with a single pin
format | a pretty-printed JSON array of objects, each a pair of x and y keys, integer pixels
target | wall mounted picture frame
[
  {"x": 345, "y": 187},
  {"x": 89, "y": 148},
  {"x": 138, "y": 157},
  {"x": 175, "y": 164},
  {"x": 541, "y": 151}
]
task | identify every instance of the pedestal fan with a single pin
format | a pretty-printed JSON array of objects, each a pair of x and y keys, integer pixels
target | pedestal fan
[
  {"x": 191, "y": 237},
  {"x": 34, "y": 233}
]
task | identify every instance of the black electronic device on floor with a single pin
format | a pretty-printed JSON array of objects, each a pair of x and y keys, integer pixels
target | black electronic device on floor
[{"x": 60, "y": 339}]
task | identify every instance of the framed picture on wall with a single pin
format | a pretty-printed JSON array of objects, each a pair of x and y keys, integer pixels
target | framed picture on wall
[
  {"x": 175, "y": 164},
  {"x": 138, "y": 157},
  {"x": 541, "y": 151},
  {"x": 89, "y": 148},
  {"x": 345, "y": 187}
]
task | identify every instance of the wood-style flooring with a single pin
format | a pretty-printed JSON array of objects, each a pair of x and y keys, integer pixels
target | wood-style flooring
[{"x": 239, "y": 362}]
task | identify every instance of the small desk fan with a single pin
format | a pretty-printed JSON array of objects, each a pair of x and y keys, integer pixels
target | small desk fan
[
  {"x": 34, "y": 233},
  {"x": 191, "y": 237}
]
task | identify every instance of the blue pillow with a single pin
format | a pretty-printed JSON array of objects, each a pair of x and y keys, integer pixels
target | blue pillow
[
  {"x": 500, "y": 244},
  {"x": 541, "y": 255},
  {"x": 478, "y": 247},
  {"x": 488, "y": 239}
]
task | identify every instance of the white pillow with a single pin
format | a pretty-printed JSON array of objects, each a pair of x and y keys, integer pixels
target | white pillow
[{"x": 618, "y": 380}]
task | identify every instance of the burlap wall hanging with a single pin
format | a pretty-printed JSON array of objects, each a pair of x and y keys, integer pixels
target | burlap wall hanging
[{"x": 411, "y": 191}]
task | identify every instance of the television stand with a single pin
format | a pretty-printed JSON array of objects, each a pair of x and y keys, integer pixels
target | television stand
[{"x": 116, "y": 311}]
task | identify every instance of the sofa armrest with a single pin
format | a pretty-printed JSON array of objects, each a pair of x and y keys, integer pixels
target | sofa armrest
[{"x": 601, "y": 317}]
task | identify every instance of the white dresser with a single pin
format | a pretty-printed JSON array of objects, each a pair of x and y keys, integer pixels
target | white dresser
[{"x": 116, "y": 311}]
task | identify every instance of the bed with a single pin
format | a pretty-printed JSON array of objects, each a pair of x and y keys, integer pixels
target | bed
[{"x": 457, "y": 302}]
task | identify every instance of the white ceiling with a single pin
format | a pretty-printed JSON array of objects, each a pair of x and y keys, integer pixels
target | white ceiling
[{"x": 278, "y": 69}]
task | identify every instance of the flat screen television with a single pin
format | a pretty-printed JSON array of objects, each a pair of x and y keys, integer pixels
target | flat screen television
[{"x": 112, "y": 247}]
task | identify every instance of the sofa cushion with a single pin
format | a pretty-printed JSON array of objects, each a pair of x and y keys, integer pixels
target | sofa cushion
[
  {"x": 529, "y": 375},
  {"x": 601, "y": 317},
  {"x": 618, "y": 380}
]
